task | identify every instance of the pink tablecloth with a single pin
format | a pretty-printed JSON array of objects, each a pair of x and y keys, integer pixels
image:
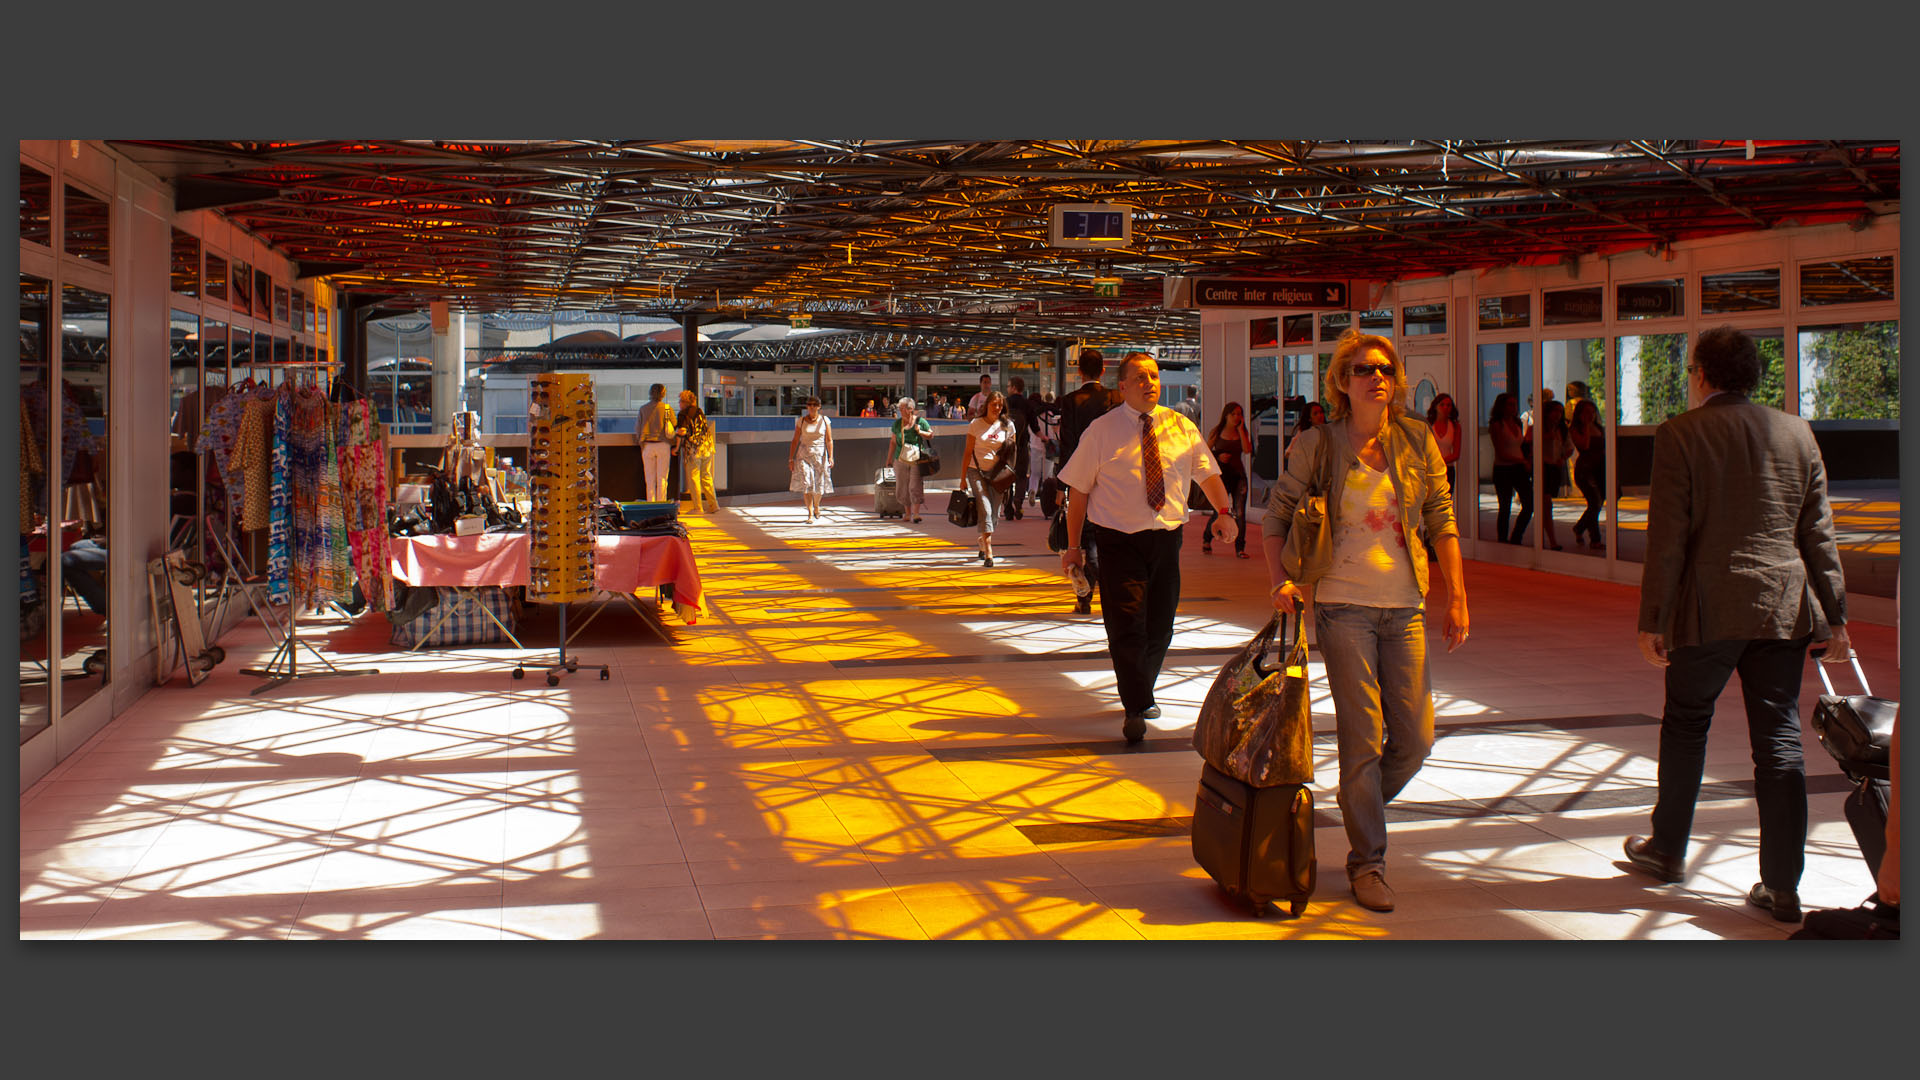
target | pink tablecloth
[{"x": 625, "y": 564}]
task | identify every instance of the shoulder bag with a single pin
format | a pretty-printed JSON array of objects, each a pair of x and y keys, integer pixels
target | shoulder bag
[
  {"x": 1001, "y": 475},
  {"x": 1308, "y": 550},
  {"x": 929, "y": 462}
]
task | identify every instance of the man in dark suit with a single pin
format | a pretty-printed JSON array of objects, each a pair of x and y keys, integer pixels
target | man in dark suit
[
  {"x": 1741, "y": 574},
  {"x": 1077, "y": 410}
]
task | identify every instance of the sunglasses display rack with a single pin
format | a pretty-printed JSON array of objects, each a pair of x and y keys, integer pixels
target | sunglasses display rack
[{"x": 561, "y": 461}]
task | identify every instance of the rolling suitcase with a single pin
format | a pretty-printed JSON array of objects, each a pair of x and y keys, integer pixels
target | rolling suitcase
[
  {"x": 1257, "y": 843},
  {"x": 1857, "y": 729},
  {"x": 886, "y": 501}
]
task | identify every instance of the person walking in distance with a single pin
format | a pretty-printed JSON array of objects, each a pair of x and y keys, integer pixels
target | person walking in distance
[
  {"x": 810, "y": 457},
  {"x": 693, "y": 442},
  {"x": 977, "y": 407},
  {"x": 1019, "y": 413},
  {"x": 1384, "y": 480},
  {"x": 1127, "y": 484},
  {"x": 654, "y": 434},
  {"x": 1741, "y": 574},
  {"x": 1078, "y": 410}
]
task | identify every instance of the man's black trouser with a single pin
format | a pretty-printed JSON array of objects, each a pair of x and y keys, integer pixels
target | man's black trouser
[
  {"x": 1770, "y": 673},
  {"x": 1139, "y": 593}
]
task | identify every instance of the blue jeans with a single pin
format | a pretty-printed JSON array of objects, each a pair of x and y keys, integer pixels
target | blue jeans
[
  {"x": 989, "y": 497},
  {"x": 1376, "y": 660}
]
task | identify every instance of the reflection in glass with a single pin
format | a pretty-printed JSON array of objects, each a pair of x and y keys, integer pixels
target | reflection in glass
[
  {"x": 1334, "y": 323},
  {"x": 262, "y": 295},
  {"x": 1417, "y": 319},
  {"x": 1772, "y": 346},
  {"x": 242, "y": 281},
  {"x": 281, "y": 309},
  {"x": 186, "y": 417},
  {"x": 1850, "y": 371},
  {"x": 1263, "y": 333},
  {"x": 186, "y": 263},
  {"x": 1570, "y": 306},
  {"x": 1378, "y": 321},
  {"x": 1650, "y": 299},
  {"x": 1740, "y": 290},
  {"x": 86, "y": 227},
  {"x": 1848, "y": 281},
  {"x": 1653, "y": 378},
  {"x": 1296, "y": 330},
  {"x": 36, "y": 205},
  {"x": 36, "y": 317},
  {"x": 1506, "y": 312},
  {"x": 216, "y": 279},
  {"x": 240, "y": 355},
  {"x": 1575, "y": 370},
  {"x": 1505, "y": 379},
  {"x": 85, "y": 375},
  {"x": 1264, "y": 416}
]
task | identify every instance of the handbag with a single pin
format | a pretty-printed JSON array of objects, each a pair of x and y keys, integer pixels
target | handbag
[
  {"x": 963, "y": 510},
  {"x": 1256, "y": 724},
  {"x": 929, "y": 463},
  {"x": 1057, "y": 529},
  {"x": 1001, "y": 475},
  {"x": 1856, "y": 729},
  {"x": 909, "y": 452},
  {"x": 1308, "y": 550}
]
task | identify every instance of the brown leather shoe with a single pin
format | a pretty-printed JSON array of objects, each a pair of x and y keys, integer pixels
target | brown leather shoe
[
  {"x": 1371, "y": 891},
  {"x": 1642, "y": 854},
  {"x": 1783, "y": 903}
]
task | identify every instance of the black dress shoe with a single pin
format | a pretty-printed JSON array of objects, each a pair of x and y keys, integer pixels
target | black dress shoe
[
  {"x": 1134, "y": 727},
  {"x": 1641, "y": 853},
  {"x": 1784, "y": 903}
]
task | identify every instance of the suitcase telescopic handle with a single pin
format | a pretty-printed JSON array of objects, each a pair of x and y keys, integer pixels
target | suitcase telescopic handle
[{"x": 1820, "y": 666}]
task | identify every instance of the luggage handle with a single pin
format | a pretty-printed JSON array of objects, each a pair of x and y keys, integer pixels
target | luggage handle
[
  {"x": 1280, "y": 643},
  {"x": 1820, "y": 666}
]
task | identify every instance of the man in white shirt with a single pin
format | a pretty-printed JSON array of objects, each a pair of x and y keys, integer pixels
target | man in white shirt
[
  {"x": 1127, "y": 482},
  {"x": 978, "y": 406},
  {"x": 654, "y": 433}
]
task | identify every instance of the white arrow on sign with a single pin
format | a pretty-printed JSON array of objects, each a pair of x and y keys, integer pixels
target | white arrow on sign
[{"x": 1333, "y": 294}]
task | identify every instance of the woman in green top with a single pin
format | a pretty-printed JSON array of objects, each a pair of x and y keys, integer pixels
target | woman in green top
[
  {"x": 911, "y": 429},
  {"x": 693, "y": 441}
]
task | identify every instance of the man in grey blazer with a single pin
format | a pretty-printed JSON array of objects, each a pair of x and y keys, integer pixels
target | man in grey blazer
[{"x": 1741, "y": 574}]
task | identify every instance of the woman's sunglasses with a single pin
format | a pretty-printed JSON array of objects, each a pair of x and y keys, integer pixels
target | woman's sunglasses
[{"x": 1368, "y": 371}]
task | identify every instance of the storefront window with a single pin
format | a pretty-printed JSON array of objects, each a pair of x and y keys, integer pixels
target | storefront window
[
  {"x": 1664, "y": 299},
  {"x": 1846, "y": 281},
  {"x": 1296, "y": 330},
  {"x": 1506, "y": 312},
  {"x": 1567, "y": 306},
  {"x": 1850, "y": 371},
  {"x": 242, "y": 280},
  {"x": 1263, "y": 333},
  {"x": 1334, "y": 323},
  {"x": 85, "y": 374},
  {"x": 87, "y": 228},
  {"x": 36, "y": 582},
  {"x": 1653, "y": 378},
  {"x": 215, "y": 283},
  {"x": 1740, "y": 290},
  {"x": 1378, "y": 321},
  {"x": 1418, "y": 319},
  {"x": 36, "y": 206},
  {"x": 186, "y": 263}
]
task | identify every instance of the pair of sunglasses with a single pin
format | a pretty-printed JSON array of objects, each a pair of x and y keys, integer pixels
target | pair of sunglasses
[{"x": 1368, "y": 371}]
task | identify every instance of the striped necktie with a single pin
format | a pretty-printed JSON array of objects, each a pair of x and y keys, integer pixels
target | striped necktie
[{"x": 1150, "y": 464}]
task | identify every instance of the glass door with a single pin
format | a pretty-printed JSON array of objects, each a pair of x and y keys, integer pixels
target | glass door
[
  {"x": 1570, "y": 442},
  {"x": 1503, "y": 471}
]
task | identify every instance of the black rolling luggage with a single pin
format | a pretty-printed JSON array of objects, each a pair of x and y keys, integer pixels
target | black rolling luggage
[
  {"x": 1256, "y": 842},
  {"x": 886, "y": 500},
  {"x": 1857, "y": 729}
]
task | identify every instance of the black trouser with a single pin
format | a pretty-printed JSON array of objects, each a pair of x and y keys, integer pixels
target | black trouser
[
  {"x": 1592, "y": 489},
  {"x": 1017, "y": 498},
  {"x": 1770, "y": 683},
  {"x": 1236, "y": 483},
  {"x": 1139, "y": 593},
  {"x": 1507, "y": 480}
]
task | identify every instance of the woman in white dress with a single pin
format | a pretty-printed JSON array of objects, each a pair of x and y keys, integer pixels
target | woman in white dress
[{"x": 810, "y": 457}]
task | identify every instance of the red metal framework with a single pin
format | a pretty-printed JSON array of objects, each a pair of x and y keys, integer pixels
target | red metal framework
[{"x": 951, "y": 237}]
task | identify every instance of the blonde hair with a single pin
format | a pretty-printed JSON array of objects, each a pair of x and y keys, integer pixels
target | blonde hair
[{"x": 1353, "y": 345}]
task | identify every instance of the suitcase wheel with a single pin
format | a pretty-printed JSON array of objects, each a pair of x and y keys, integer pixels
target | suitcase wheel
[{"x": 1297, "y": 908}]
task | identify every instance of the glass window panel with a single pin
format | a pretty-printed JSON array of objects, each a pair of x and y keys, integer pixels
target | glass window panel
[
  {"x": 1653, "y": 378},
  {"x": 242, "y": 281},
  {"x": 36, "y": 205},
  {"x": 1378, "y": 321},
  {"x": 1663, "y": 299},
  {"x": 36, "y": 326},
  {"x": 262, "y": 295},
  {"x": 1506, "y": 312},
  {"x": 302, "y": 312},
  {"x": 1505, "y": 379},
  {"x": 213, "y": 351},
  {"x": 215, "y": 284},
  {"x": 1740, "y": 290},
  {"x": 282, "y": 354},
  {"x": 1848, "y": 281},
  {"x": 321, "y": 312},
  {"x": 186, "y": 263},
  {"x": 282, "y": 308},
  {"x": 240, "y": 353},
  {"x": 1575, "y": 369},
  {"x": 1263, "y": 333},
  {"x": 1334, "y": 323},
  {"x": 1850, "y": 371},
  {"x": 183, "y": 365},
  {"x": 1296, "y": 330},
  {"x": 1566, "y": 306},
  {"x": 87, "y": 227},
  {"x": 1264, "y": 415},
  {"x": 1417, "y": 319},
  {"x": 85, "y": 376}
]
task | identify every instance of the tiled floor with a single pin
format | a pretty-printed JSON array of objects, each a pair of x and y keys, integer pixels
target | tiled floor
[{"x": 858, "y": 741}]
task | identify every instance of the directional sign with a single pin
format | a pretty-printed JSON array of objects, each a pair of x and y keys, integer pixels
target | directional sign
[{"x": 1269, "y": 293}]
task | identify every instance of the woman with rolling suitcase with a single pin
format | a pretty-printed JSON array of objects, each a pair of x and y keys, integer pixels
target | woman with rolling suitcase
[
  {"x": 912, "y": 439},
  {"x": 1367, "y": 486}
]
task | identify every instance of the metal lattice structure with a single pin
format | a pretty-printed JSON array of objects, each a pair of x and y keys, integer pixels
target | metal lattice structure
[{"x": 943, "y": 237}]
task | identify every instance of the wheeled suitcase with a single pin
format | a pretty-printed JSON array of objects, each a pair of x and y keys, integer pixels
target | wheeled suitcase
[
  {"x": 1257, "y": 843},
  {"x": 886, "y": 500},
  {"x": 1857, "y": 729},
  {"x": 1866, "y": 808}
]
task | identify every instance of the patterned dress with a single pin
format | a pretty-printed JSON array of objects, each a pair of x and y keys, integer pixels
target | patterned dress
[
  {"x": 280, "y": 504},
  {"x": 363, "y": 478},
  {"x": 810, "y": 467}
]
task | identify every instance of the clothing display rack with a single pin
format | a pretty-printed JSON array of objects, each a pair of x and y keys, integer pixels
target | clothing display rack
[
  {"x": 560, "y": 457},
  {"x": 296, "y": 464}
]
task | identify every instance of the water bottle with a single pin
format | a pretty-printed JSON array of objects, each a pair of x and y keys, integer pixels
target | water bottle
[{"x": 1082, "y": 588}]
